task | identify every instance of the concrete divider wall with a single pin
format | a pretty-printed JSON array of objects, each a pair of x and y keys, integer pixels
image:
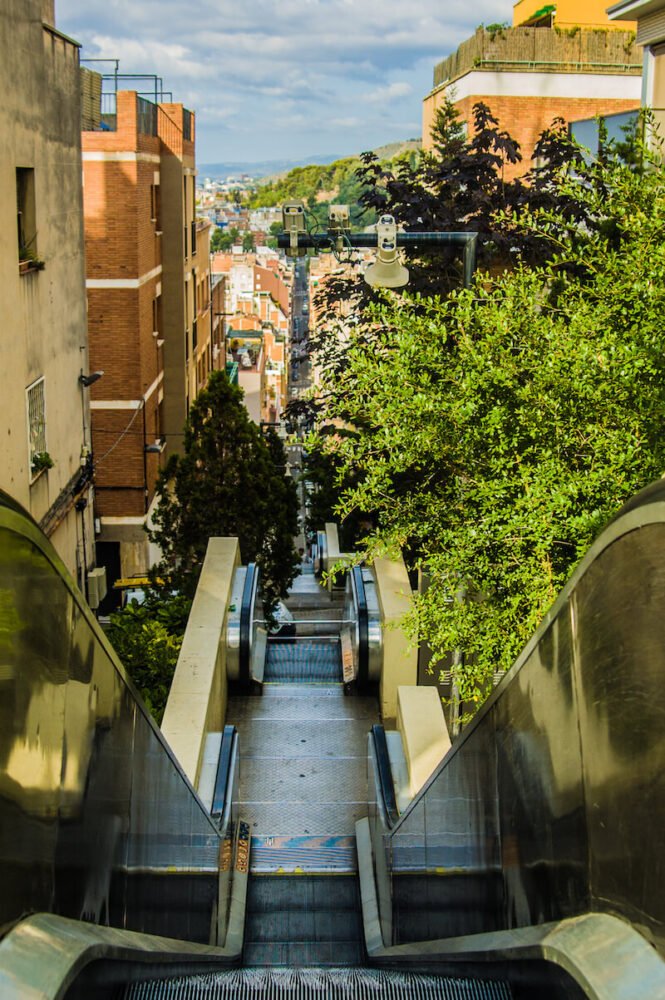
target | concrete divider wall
[
  {"x": 197, "y": 701},
  {"x": 400, "y": 656}
]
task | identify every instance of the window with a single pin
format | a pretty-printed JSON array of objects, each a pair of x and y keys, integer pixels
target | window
[
  {"x": 25, "y": 211},
  {"x": 157, "y": 315},
  {"x": 155, "y": 205},
  {"x": 36, "y": 426}
]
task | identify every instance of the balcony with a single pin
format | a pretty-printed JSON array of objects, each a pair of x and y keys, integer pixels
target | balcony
[{"x": 542, "y": 49}]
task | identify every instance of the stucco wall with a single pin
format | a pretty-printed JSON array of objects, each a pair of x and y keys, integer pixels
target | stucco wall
[{"x": 42, "y": 313}]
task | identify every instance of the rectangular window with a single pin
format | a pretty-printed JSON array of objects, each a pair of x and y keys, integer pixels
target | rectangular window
[
  {"x": 36, "y": 409},
  {"x": 155, "y": 205},
  {"x": 26, "y": 213}
]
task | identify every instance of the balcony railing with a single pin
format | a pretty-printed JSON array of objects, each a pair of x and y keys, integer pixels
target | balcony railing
[
  {"x": 146, "y": 116},
  {"x": 109, "y": 112}
]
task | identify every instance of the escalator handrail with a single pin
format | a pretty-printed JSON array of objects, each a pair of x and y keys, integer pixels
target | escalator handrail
[
  {"x": 603, "y": 954},
  {"x": 363, "y": 626},
  {"x": 247, "y": 623},
  {"x": 222, "y": 795},
  {"x": 386, "y": 785},
  {"x": 44, "y": 954}
]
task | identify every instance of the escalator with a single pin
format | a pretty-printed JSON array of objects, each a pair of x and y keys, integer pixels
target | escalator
[{"x": 530, "y": 864}]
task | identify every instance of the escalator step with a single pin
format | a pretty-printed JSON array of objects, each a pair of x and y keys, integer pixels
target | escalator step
[
  {"x": 333, "y": 984},
  {"x": 308, "y": 662}
]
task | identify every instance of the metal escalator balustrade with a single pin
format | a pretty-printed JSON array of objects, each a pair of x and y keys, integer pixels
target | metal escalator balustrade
[
  {"x": 551, "y": 805},
  {"x": 97, "y": 820}
]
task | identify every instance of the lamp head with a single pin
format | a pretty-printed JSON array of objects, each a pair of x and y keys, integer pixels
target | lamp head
[
  {"x": 386, "y": 272},
  {"x": 87, "y": 380}
]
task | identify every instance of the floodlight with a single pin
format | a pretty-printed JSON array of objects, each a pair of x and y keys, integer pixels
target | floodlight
[{"x": 386, "y": 272}]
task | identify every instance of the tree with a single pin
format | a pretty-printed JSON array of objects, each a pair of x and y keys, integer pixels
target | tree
[
  {"x": 248, "y": 242},
  {"x": 224, "y": 239},
  {"x": 494, "y": 431},
  {"x": 147, "y": 638},
  {"x": 229, "y": 481}
]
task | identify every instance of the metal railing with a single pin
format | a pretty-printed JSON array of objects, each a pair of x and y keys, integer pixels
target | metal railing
[{"x": 146, "y": 116}]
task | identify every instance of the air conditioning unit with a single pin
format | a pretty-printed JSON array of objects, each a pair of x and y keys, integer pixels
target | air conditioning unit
[{"x": 96, "y": 586}]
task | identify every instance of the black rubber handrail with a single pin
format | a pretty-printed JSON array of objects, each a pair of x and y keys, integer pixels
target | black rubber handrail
[
  {"x": 385, "y": 775},
  {"x": 362, "y": 678},
  {"x": 246, "y": 624},
  {"x": 224, "y": 765}
]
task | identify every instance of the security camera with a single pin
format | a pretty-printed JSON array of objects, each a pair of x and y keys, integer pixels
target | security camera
[
  {"x": 293, "y": 220},
  {"x": 339, "y": 224}
]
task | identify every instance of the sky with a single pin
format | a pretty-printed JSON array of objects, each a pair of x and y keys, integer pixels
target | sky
[{"x": 283, "y": 79}]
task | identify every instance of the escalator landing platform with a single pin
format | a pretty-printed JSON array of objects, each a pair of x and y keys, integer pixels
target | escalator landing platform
[{"x": 303, "y": 776}]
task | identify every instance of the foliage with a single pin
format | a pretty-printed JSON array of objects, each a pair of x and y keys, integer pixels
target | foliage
[
  {"x": 147, "y": 638},
  {"x": 230, "y": 481},
  {"x": 224, "y": 239},
  {"x": 494, "y": 431},
  {"x": 319, "y": 187},
  {"x": 41, "y": 460}
]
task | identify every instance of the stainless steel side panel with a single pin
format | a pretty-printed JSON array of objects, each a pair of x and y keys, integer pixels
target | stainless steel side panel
[
  {"x": 97, "y": 821},
  {"x": 552, "y": 803}
]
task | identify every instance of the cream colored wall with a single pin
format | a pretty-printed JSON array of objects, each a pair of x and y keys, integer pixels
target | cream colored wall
[
  {"x": 422, "y": 726},
  {"x": 197, "y": 701},
  {"x": 569, "y": 13},
  {"x": 42, "y": 314},
  {"x": 400, "y": 656}
]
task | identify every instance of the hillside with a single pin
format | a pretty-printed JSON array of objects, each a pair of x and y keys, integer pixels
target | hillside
[{"x": 320, "y": 185}]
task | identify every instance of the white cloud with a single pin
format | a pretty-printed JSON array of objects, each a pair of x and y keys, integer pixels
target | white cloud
[
  {"x": 391, "y": 92},
  {"x": 251, "y": 66}
]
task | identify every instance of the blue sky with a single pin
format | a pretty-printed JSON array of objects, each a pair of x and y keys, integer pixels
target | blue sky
[{"x": 284, "y": 79}]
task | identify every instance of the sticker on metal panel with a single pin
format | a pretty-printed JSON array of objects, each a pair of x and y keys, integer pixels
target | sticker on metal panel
[
  {"x": 347, "y": 657},
  {"x": 242, "y": 856}
]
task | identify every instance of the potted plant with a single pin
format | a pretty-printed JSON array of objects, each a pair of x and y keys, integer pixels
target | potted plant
[
  {"x": 28, "y": 259},
  {"x": 40, "y": 461}
]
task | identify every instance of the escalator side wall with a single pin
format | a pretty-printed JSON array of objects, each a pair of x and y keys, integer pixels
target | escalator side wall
[
  {"x": 553, "y": 802},
  {"x": 94, "y": 810}
]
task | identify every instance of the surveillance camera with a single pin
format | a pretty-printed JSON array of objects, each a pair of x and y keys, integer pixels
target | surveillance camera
[{"x": 293, "y": 220}]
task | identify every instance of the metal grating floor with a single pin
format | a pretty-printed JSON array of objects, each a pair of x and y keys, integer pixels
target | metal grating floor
[
  {"x": 303, "y": 774},
  {"x": 311, "y": 984}
]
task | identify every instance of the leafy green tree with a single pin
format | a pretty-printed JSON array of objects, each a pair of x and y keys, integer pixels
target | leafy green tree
[
  {"x": 147, "y": 638},
  {"x": 224, "y": 239},
  {"x": 248, "y": 242},
  {"x": 494, "y": 431},
  {"x": 229, "y": 481}
]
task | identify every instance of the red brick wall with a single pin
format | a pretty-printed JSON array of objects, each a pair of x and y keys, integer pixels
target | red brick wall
[{"x": 524, "y": 118}]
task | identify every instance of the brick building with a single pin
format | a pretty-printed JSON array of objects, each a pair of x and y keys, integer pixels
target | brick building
[
  {"x": 561, "y": 60},
  {"x": 148, "y": 306}
]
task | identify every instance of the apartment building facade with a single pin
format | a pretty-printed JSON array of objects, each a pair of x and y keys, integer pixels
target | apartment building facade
[
  {"x": 650, "y": 18},
  {"x": 46, "y": 462},
  {"x": 146, "y": 304},
  {"x": 558, "y": 61},
  {"x": 257, "y": 320}
]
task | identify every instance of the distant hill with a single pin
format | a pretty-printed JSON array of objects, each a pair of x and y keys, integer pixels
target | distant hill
[
  {"x": 319, "y": 185},
  {"x": 265, "y": 168},
  {"x": 273, "y": 169}
]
